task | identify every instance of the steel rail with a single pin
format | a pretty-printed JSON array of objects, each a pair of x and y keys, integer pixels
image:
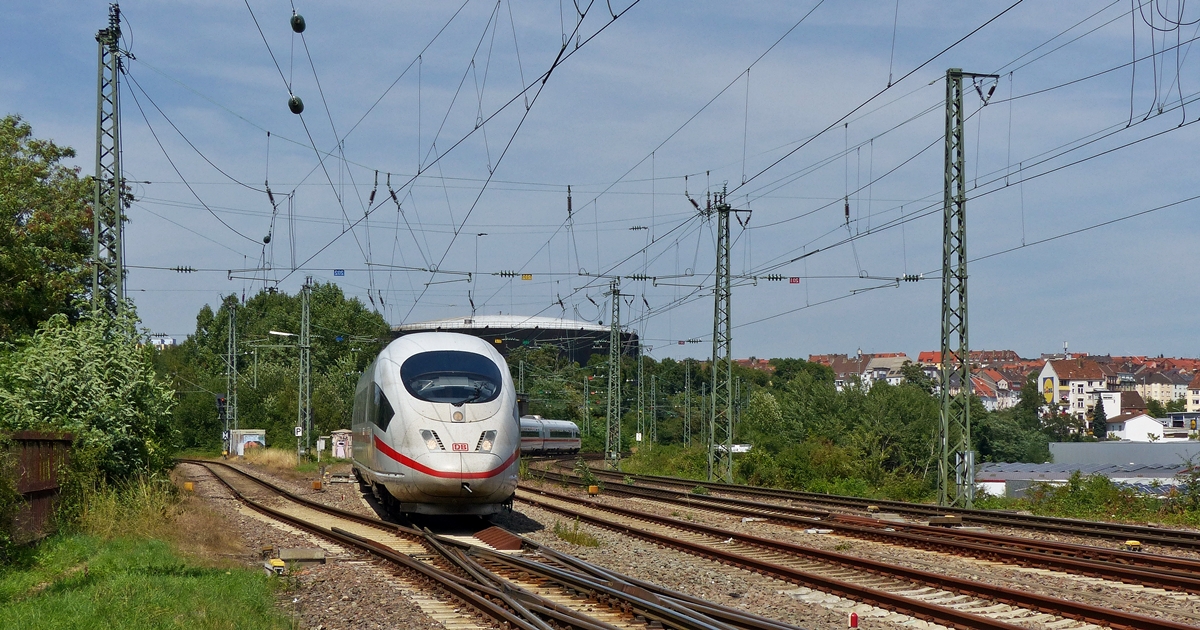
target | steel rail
[
  {"x": 1182, "y": 539},
  {"x": 1151, "y": 570},
  {"x": 1055, "y": 606},
  {"x": 442, "y": 578},
  {"x": 684, "y": 619}
]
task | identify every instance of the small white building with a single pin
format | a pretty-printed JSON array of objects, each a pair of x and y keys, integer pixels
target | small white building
[{"x": 1135, "y": 427}]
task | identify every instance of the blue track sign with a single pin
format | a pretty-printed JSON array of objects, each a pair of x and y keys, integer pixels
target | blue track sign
[{"x": 339, "y": 272}]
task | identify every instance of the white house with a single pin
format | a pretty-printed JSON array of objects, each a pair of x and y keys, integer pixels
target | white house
[
  {"x": 1135, "y": 427},
  {"x": 1072, "y": 383}
]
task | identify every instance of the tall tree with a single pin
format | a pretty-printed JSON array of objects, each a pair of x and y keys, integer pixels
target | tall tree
[
  {"x": 1099, "y": 422},
  {"x": 45, "y": 230}
]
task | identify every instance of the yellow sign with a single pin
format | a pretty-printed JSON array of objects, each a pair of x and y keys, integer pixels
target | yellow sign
[
  {"x": 527, "y": 276},
  {"x": 1048, "y": 389}
]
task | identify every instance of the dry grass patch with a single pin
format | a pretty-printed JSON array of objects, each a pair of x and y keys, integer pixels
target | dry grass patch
[{"x": 276, "y": 460}]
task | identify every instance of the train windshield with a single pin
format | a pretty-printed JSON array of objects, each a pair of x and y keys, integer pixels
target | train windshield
[{"x": 451, "y": 376}]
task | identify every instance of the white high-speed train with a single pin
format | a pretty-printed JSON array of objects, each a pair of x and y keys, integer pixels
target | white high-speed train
[{"x": 436, "y": 428}]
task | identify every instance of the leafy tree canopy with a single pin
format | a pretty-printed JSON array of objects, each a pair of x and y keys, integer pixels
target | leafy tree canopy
[{"x": 45, "y": 232}]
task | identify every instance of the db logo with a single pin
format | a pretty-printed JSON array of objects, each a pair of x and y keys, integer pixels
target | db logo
[{"x": 460, "y": 447}]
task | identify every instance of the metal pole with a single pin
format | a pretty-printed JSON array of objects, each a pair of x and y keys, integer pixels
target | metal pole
[
  {"x": 304, "y": 419},
  {"x": 653, "y": 411},
  {"x": 231, "y": 372},
  {"x": 108, "y": 269},
  {"x": 956, "y": 464},
  {"x": 612, "y": 443},
  {"x": 687, "y": 402},
  {"x": 641, "y": 399},
  {"x": 720, "y": 456}
]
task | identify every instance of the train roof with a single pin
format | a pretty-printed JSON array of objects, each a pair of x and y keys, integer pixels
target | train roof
[{"x": 408, "y": 345}]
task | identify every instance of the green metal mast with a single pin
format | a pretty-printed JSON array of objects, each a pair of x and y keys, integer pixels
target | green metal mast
[
  {"x": 720, "y": 446},
  {"x": 641, "y": 400},
  {"x": 612, "y": 444},
  {"x": 108, "y": 268},
  {"x": 956, "y": 466},
  {"x": 304, "y": 421},
  {"x": 231, "y": 371},
  {"x": 687, "y": 402}
]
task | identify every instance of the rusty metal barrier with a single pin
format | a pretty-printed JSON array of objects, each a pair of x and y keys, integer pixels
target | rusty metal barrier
[{"x": 40, "y": 457}]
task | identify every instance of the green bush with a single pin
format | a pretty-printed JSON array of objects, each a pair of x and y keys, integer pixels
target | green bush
[{"x": 95, "y": 379}]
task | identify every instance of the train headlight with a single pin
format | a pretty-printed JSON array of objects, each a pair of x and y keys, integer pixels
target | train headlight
[
  {"x": 487, "y": 439},
  {"x": 431, "y": 441}
]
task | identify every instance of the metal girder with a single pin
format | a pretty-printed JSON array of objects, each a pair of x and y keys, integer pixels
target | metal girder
[
  {"x": 231, "y": 372},
  {"x": 956, "y": 469},
  {"x": 720, "y": 447},
  {"x": 108, "y": 268},
  {"x": 304, "y": 405},
  {"x": 612, "y": 443}
]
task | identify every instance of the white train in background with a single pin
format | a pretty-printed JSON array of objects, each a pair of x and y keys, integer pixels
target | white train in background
[
  {"x": 540, "y": 436},
  {"x": 436, "y": 427}
]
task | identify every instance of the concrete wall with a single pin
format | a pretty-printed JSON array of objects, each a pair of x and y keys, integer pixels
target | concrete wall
[{"x": 1123, "y": 453}]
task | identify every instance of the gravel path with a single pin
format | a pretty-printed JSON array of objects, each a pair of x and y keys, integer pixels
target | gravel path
[{"x": 349, "y": 591}]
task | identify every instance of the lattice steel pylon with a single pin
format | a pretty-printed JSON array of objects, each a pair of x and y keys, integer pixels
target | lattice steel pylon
[
  {"x": 956, "y": 466},
  {"x": 720, "y": 446},
  {"x": 612, "y": 442},
  {"x": 231, "y": 371},
  {"x": 108, "y": 267},
  {"x": 304, "y": 419}
]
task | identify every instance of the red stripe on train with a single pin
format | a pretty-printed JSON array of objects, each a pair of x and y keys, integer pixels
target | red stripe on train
[{"x": 413, "y": 464}]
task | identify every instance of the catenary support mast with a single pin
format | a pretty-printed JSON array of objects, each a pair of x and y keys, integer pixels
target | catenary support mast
[
  {"x": 108, "y": 268},
  {"x": 612, "y": 442},
  {"x": 956, "y": 465},
  {"x": 304, "y": 421},
  {"x": 720, "y": 446}
]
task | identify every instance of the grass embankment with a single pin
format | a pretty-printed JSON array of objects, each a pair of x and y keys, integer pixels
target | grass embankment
[{"x": 141, "y": 556}]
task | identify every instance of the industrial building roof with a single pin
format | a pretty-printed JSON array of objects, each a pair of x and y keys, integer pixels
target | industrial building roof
[{"x": 501, "y": 321}]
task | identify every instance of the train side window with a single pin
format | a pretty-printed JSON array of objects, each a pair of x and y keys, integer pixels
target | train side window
[
  {"x": 529, "y": 433},
  {"x": 382, "y": 408}
]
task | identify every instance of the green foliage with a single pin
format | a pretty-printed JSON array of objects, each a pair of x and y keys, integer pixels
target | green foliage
[
  {"x": 574, "y": 535},
  {"x": 675, "y": 460},
  {"x": 1090, "y": 497},
  {"x": 1002, "y": 437},
  {"x": 585, "y": 474},
  {"x": 346, "y": 337},
  {"x": 45, "y": 230},
  {"x": 1099, "y": 422},
  {"x": 9, "y": 501},
  {"x": 96, "y": 380},
  {"x": 86, "y": 582}
]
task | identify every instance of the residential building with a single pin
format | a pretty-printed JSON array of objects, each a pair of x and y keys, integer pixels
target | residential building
[
  {"x": 884, "y": 368},
  {"x": 1072, "y": 384},
  {"x": 1135, "y": 427},
  {"x": 1162, "y": 385},
  {"x": 1193, "y": 395}
]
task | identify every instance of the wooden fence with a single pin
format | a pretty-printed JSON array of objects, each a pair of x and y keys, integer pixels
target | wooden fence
[{"x": 40, "y": 458}]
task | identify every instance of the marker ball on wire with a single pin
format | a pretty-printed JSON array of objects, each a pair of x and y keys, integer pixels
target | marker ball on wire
[
  {"x": 295, "y": 104},
  {"x": 297, "y": 23}
]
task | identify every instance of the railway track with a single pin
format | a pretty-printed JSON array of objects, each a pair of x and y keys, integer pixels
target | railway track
[
  {"x": 534, "y": 589},
  {"x": 931, "y": 596},
  {"x": 1120, "y": 532},
  {"x": 1152, "y": 570}
]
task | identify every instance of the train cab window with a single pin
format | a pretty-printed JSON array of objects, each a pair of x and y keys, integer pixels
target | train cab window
[
  {"x": 381, "y": 412},
  {"x": 451, "y": 376}
]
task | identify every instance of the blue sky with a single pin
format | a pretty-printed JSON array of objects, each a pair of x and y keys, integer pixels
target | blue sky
[{"x": 657, "y": 104}]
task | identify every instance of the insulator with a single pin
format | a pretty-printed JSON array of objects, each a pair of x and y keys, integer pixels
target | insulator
[
  {"x": 295, "y": 104},
  {"x": 267, "y": 238},
  {"x": 297, "y": 23}
]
